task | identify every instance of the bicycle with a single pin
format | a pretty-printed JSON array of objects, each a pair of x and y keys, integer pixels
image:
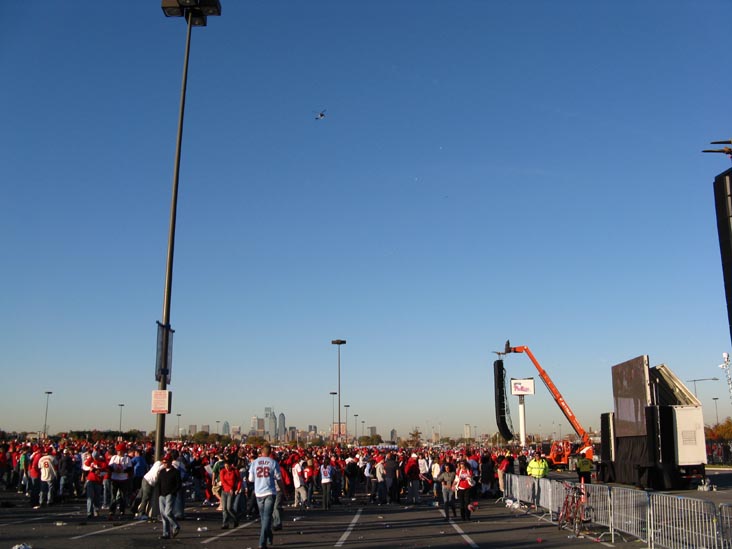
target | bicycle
[{"x": 574, "y": 512}]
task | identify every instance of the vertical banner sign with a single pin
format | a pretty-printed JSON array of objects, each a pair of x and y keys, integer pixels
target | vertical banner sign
[{"x": 160, "y": 365}]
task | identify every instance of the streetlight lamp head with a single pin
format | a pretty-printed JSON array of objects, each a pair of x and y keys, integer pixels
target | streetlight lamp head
[
  {"x": 171, "y": 8},
  {"x": 197, "y": 10},
  {"x": 338, "y": 342}
]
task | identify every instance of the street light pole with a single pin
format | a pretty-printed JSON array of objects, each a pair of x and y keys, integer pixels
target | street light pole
[
  {"x": 355, "y": 426},
  {"x": 195, "y": 14},
  {"x": 715, "y": 399},
  {"x": 120, "y": 418},
  {"x": 45, "y": 417},
  {"x": 702, "y": 379},
  {"x": 178, "y": 425},
  {"x": 346, "y": 406},
  {"x": 332, "y": 414},
  {"x": 339, "y": 342}
]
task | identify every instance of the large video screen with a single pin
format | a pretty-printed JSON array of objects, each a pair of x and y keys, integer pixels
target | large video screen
[{"x": 631, "y": 395}]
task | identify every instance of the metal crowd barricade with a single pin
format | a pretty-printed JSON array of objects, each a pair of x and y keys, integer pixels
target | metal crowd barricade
[
  {"x": 546, "y": 489},
  {"x": 511, "y": 486},
  {"x": 598, "y": 501},
  {"x": 681, "y": 522},
  {"x": 661, "y": 520},
  {"x": 725, "y": 525},
  {"x": 630, "y": 510}
]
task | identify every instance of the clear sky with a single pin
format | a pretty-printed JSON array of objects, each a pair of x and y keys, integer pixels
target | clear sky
[{"x": 484, "y": 171}]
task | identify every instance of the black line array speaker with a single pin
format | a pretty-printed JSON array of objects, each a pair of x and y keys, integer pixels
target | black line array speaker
[
  {"x": 661, "y": 442},
  {"x": 499, "y": 381},
  {"x": 723, "y": 206},
  {"x": 607, "y": 437}
]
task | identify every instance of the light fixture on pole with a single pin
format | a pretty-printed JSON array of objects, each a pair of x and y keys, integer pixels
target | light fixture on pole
[
  {"x": 332, "y": 414},
  {"x": 195, "y": 12},
  {"x": 45, "y": 417},
  {"x": 716, "y": 412},
  {"x": 120, "y": 418},
  {"x": 346, "y": 406},
  {"x": 339, "y": 342},
  {"x": 702, "y": 379}
]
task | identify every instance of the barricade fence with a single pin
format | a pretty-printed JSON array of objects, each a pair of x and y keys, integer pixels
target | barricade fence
[{"x": 660, "y": 520}]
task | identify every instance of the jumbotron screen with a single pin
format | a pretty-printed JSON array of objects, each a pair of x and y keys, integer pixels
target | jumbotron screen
[{"x": 631, "y": 395}]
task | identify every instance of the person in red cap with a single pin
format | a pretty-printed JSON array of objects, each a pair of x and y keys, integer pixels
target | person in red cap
[{"x": 120, "y": 466}]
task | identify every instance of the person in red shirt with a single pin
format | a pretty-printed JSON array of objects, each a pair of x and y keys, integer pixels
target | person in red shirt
[
  {"x": 34, "y": 473},
  {"x": 231, "y": 484},
  {"x": 97, "y": 469},
  {"x": 462, "y": 484},
  {"x": 411, "y": 471}
]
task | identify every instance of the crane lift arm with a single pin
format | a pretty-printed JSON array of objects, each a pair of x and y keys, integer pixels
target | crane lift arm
[{"x": 558, "y": 398}]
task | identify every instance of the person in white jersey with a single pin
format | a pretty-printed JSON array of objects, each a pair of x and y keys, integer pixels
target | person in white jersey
[{"x": 265, "y": 473}]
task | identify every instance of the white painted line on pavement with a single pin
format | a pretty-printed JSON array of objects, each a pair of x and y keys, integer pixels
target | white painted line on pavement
[
  {"x": 108, "y": 529},
  {"x": 40, "y": 517},
  {"x": 459, "y": 530},
  {"x": 350, "y": 528},
  {"x": 209, "y": 540}
]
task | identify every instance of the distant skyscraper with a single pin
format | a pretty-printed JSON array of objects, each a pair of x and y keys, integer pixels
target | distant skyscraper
[
  {"x": 466, "y": 431},
  {"x": 260, "y": 427},
  {"x": 372, "y": 431},
  {"x": 281, "y": 431},
  {"x": 312, "y": 428},
  {"x": 393, "y": 435},
  {"x": 192, "y": 430},
  {"x": 205, "y": 428},
  {"x": 236, "y": 430},
  {"x": 270, "y": 423},
  {"x": 253, "y": 423},
  {"x": 226, "y": 429}
]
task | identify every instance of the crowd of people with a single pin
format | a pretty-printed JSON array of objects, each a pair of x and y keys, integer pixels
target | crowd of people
[{"x": 119, "y": 479}]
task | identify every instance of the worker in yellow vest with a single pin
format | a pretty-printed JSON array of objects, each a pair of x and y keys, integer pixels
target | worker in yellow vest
[
  {"x": 537, "y": 467},
  {"x": 584, "y": 468}
]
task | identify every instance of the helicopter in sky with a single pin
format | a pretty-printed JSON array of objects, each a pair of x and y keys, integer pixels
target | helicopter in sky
[{"x": 724, "y": 150}]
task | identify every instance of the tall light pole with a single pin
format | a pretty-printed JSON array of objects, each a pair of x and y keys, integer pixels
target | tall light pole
[
  {"x": 346, "y": 406},
  {"x": 195, "y": 13},
  {"x": 363, "y": 427},
  {"x": 178, "y": 425},
  {"x": 339, "y": 342},
  {"x": 702, "y": 379},
  {"x": 355, "y": 426},
  {"x": 332, "y": 414},
  {"x": 120, "y": 418},
  {"x": 715, "y": 399},
  {"x": 45, "y": 417}
]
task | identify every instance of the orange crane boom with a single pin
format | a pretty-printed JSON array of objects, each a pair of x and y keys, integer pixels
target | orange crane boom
[{"x": 558, "y": 398}]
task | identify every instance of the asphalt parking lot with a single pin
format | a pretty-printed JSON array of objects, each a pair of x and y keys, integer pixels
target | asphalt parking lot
[{"x": 351, "y": 524}]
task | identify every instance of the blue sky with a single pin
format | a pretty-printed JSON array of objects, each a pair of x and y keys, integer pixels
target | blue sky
[{"x": 485, "y": 171}]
